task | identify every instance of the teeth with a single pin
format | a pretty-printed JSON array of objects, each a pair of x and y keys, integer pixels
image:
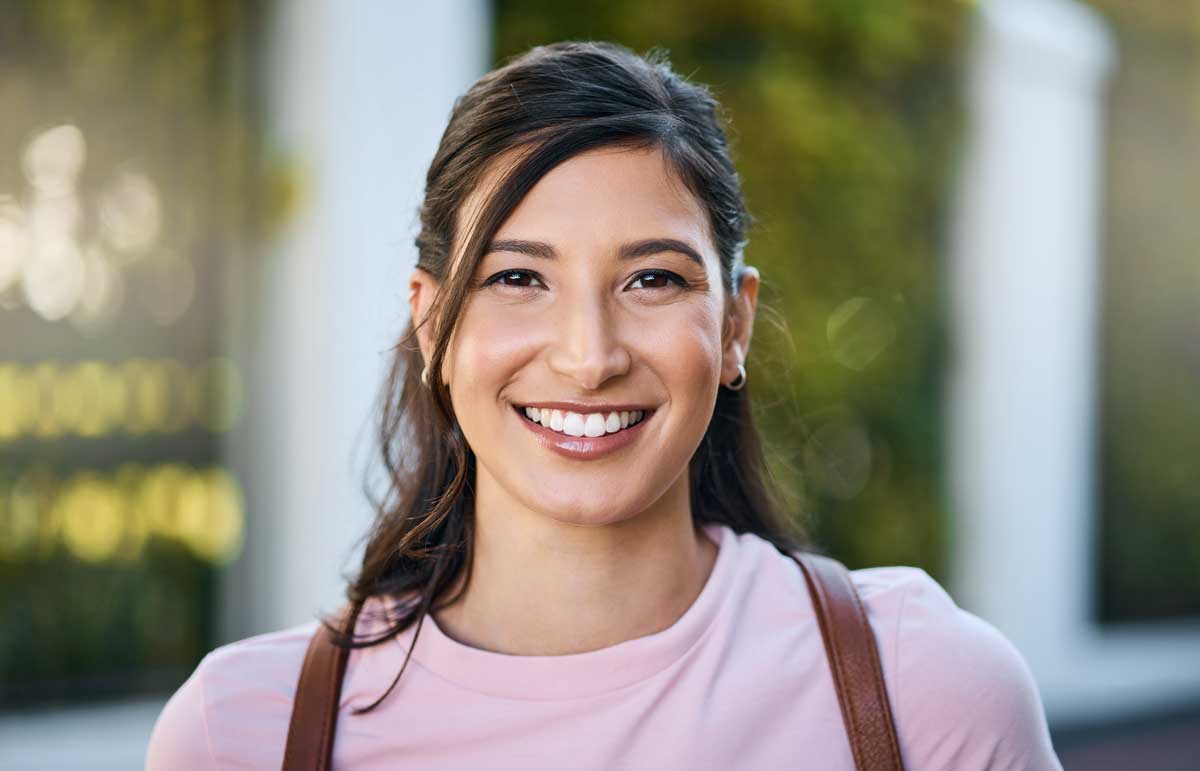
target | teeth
[
  {"x": 590, "y": 424},
  {"x": 573, "y": 424},
  {"x": 593, "y": 425}
]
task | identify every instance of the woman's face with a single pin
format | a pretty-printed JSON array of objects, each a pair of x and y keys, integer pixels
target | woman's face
[{"x": 601, "y": 295}]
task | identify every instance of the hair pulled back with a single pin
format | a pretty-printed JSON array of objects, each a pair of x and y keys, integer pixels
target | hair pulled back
[{"x": 548, "y": 104}]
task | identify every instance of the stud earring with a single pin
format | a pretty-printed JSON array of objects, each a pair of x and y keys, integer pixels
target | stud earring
[{"x": 739, "y": 382}]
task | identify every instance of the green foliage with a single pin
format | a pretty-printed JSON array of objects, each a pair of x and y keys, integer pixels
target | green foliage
[
  {"x": 150, "y": 83},
  {"x": 157, "y": 87},
  {"x": 76, "y": 631},
  {"x": 1148, "y": 496},
  {"x": 844, "y": 121}
]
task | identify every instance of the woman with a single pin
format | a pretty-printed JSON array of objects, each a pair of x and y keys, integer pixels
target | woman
[{"x": 579, "y": 563}]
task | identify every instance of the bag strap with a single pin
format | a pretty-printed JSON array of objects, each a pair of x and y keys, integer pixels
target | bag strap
[
  {"x": 315, "y": 707},
  {"x": 854, "y": 660},
  {"x": 849, "y": 647}
]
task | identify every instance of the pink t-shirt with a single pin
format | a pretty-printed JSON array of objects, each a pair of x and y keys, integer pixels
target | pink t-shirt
[{"x": 740, "y": 681}]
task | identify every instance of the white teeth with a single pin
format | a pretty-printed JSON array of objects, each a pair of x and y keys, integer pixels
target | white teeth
[
  {"x": 593, "y": 424},
  {"x": 578, "y": 424},
  {"x": 573, "y": 424}
]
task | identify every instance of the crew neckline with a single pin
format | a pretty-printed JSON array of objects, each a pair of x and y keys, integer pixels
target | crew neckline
[{"x": 577, "y": 675}]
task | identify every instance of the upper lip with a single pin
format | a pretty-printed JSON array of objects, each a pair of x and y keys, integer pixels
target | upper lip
[{"x": 584, "y": 409}]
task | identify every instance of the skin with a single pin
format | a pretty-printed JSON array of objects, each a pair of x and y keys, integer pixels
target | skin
[{"x": 576, "y": 555}]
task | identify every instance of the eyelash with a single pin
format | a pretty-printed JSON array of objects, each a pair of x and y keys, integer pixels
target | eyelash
[{"x": 672, "y": 277}]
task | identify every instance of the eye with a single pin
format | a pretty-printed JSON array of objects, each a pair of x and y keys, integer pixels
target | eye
[
  {"x": 658, "y": 276},
  {"x": 502, "y": 277},
  {"x": 517, "y": 278}
]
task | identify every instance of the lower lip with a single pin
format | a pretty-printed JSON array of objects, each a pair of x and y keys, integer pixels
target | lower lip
[{"x": 583, "y": 447}]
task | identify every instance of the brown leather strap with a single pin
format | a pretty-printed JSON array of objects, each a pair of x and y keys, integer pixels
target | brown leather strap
[
  {"x": 849, "y": 647},
  {"x": 854, "y": 661},
  {"x": 315, "y": 708}
]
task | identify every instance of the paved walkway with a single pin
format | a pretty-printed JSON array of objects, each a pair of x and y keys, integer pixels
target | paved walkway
[{"x": 1170, "y": 744}]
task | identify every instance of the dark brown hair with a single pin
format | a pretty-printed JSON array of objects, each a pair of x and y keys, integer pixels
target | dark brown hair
[{"x": 548, "y": 104}]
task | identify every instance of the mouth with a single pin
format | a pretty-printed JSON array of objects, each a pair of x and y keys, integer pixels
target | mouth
[
  {"x": 584, "y": 436},
  {"x": 577, "y": 424}
]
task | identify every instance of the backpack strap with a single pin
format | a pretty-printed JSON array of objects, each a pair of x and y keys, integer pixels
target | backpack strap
[
  {"x": 849, "y": 648},
  {"x": 315, "y": 707},
  {"x": 854, "y": 661}
]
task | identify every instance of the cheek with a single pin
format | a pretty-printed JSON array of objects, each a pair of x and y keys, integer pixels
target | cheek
[
  {"x": 488, "y": 345},
  {"x": 688, "y": 345},
  {"x": 492, "y": 341}
]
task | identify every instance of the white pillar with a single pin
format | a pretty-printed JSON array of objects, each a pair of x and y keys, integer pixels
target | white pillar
[
  {"x": 1024, "y": 275},
  {"x": 1025, "y": 267},
  {"x": 358, "y": 94}
]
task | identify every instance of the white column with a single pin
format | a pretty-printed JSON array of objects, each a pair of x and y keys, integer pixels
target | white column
[
  {"x": 1024, "y": 270},
  {"x": 1025, "y": 267},
  {"x": 358, "y": 94}
]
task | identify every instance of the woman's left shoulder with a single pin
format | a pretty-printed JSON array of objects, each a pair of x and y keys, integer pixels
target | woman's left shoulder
[
  {"x": 961, "y": 693},
  {"x": 930, "y": 640}
]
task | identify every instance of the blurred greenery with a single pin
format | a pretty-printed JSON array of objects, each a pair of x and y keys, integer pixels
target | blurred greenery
[
  {"x": 159, "y": 88},
  {"x": 1148, "y": 493},
  {"x": 845, "y": 122},
  {"x": 74, "y": 630}
]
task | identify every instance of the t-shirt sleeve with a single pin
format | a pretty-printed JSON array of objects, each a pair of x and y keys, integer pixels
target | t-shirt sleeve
[
  {"x": 963, "y": 696},
  {"x": 180, "y": 738}
]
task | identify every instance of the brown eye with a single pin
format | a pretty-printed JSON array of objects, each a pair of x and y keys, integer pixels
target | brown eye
[
  {"x": 518, "y": 279},
  {"x": 660, "y": 279}
]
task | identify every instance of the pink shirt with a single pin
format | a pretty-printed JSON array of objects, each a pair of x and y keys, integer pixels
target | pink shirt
[{"x": 740, "y": 681}]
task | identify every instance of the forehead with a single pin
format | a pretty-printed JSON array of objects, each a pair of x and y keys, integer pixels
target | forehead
[{"x": 597, "y": 199}]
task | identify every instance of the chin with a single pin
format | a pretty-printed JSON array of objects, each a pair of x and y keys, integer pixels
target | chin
[{"x": 585, "y": 514}]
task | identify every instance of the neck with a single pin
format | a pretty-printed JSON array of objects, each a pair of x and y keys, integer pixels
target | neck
[{"x": 542, "y": 587}]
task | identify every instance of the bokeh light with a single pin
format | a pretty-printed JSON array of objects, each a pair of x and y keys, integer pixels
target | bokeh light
[
  {"x": 103, "y": 517},
  {"x": 130, "y": 213},
  {"x": 50, "y": 400},
  {"x": 858, "y": 331}
]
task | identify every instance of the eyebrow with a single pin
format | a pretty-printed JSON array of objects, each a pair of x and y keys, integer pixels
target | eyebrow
[{"x": 629, "y": 251}]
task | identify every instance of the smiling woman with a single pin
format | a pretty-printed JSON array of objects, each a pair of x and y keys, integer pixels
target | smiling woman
[
  {"x": 600, "y": 293},
  {"x": 580, "y": 516}
]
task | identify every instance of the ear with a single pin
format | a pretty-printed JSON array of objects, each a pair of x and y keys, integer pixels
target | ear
[
  {"x": 422, "y": 289},
  {"x": 736, "y": 340}
]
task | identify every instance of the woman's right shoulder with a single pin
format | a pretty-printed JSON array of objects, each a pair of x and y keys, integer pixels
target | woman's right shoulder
[{"x": 236, "y": 705}]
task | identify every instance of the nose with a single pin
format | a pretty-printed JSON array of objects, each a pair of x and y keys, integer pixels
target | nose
[{"x": 587, "y": 344}]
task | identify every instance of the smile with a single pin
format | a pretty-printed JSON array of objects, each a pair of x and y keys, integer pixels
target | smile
[
  {"x": 584, "y": 424},
  {"x": 583, "y": 436}
]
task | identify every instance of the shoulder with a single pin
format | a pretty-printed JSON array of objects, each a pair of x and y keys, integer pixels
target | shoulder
[
  {"x": 237, "y": 702},
  {"x": 962, "y": 695}
]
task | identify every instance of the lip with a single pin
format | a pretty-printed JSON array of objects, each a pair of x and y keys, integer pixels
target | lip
[
  {"x": 582, "y": 447},
  {"x": 584, "y": 409}
]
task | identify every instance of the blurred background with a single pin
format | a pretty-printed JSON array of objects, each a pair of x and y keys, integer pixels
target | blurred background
[{"x": 978, "y": 347}]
